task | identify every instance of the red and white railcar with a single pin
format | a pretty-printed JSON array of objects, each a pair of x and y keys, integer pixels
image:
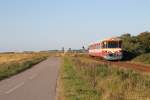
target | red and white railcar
[{"x": 109, "y": 49}]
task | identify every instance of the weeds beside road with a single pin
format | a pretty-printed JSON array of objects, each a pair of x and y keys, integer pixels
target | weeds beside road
[
  {"x": 71, "y": 86},
  {"x": 11, "y": 64},
  {"x": 85, "y": 79}
]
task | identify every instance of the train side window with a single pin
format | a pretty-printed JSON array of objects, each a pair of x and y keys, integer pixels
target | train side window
[
  {"x": 120, "y": 44},
  {"x": 96, "y": 46},
  {"x": 89, "y": 47},
  {"x": 93, "y": 46},
  {"x": 99, "y": 46}
]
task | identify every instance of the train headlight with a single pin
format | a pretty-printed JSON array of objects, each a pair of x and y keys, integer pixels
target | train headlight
[
  {"x": 109, "y": 52},
  {"x": 118, "y": 53}
]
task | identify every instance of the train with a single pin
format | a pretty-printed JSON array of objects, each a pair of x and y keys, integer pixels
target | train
[{"x": 108, "y": 49}]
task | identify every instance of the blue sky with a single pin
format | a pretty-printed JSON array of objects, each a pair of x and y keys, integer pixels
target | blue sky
[{"x": 52, "y": 24}]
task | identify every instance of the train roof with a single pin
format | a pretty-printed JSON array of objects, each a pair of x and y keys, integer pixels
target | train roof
[
  {"x": 113, "y": 39},
  {"x": 109, "y": 39}
]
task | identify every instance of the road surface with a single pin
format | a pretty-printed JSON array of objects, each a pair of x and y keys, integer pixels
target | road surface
[{"x": 37, "y": 83}]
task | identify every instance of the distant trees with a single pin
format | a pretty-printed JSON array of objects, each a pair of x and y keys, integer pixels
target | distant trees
[
  {"x": 136, "y": 44},
  {"x": 81, "y": 50},
  {"x": 69, "y": 50}
]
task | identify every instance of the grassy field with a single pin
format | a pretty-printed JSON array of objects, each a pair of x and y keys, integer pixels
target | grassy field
[
  {"x": 143, "y": 59},
  {"x": 85, "y": 79},
  {"x": 11, "y": 64}
]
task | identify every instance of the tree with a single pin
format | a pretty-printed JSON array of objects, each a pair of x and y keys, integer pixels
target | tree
[
  {"x": 144, "y": 40},
  {"x": 136, "y": 44},
  {"x": 126, "y": 35}
]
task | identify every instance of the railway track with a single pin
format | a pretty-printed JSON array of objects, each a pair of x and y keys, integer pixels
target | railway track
[{"x": 138, "y": 67}]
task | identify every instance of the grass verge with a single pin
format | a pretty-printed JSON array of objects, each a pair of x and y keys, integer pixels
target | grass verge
[
  {"x": 143, "y": 59},
  {"x": 72, "y": 86},
  {"x": 13, "y": 67},
  {"x": 82, "y": 79}
]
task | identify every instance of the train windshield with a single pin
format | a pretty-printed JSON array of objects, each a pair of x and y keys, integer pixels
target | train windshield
[{"x": 112, "y": 44}]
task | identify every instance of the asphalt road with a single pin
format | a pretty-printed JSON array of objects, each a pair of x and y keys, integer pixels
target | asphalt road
[{"x": 37, "y": 83}]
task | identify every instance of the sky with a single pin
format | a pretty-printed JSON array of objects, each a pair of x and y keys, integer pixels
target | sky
[{"x": 53, "y": 24}]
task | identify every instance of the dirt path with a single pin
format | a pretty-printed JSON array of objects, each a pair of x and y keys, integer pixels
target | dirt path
[{"x": 138, "y": 67}]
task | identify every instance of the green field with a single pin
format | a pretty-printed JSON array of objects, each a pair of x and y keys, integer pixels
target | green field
[{"x": 85, "y": 79}]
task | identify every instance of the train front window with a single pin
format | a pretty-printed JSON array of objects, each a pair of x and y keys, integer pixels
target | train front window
[
  {"x": 120, "y": 44},
  {"x": 113, "y": 44}
]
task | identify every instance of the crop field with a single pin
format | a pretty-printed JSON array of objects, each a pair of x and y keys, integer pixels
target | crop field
[
  {"x": 13, "y": 63},
  {"x": 86, "y": 79}
]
